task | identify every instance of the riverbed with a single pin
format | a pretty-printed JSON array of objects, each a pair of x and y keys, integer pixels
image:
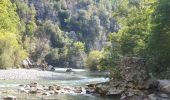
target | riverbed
[{"x": 80, "y": 77}]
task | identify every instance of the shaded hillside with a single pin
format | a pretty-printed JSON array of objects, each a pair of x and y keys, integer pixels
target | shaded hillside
[{"x": 62, "y": 26}]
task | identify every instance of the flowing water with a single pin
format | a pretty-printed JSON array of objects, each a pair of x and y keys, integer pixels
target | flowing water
[{"x": 80, "y": 77}]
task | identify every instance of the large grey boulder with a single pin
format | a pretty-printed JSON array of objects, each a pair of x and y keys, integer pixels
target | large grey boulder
[
  {"x": 152, "y": 97},
  {"x": 10, "y": 98},
  {"x": 164, "y": 86},
  {"x": 26, "y": 63},
  {"x": 133, "y": 71}
]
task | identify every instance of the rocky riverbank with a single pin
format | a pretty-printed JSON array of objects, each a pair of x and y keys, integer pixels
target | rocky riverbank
[
  {"x": 135, "y": 83},
  {"x": 36, "y": 88},
  {"x": 114, "y": 90},
  {"x": 127, "y": 91}
]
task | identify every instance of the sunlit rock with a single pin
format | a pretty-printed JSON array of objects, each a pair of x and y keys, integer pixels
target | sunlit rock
[{"x": 10, "y": 98}]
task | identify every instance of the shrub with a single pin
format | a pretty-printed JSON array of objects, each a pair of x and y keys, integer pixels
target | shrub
[{"x": 93, "y": 59}]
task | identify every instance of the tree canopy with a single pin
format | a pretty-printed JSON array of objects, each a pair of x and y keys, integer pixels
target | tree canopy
[{"x": 11, "y": 52}]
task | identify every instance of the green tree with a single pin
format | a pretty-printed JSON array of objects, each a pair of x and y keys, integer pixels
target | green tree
[
  {"x": 159, "y": 48},
  {"x": 135, "y": 26},
  {"x": 93, "y": 59},
  {"x": 134, "y": 21},
  {"x": 11, "y": 52},
  {"x": 79, "y": 46}
]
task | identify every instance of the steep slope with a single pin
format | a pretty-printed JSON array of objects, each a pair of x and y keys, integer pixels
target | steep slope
[{"x": 61, "y": 23}]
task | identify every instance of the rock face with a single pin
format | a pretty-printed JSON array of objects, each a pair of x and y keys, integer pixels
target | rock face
[
  {"x": 135, "y": 84},
  {"x": 134, "y": 70},
  {"x": 164, "y": 86},
  {"x": 58, "y": 11},
  {"x": 27, "y": 63}
]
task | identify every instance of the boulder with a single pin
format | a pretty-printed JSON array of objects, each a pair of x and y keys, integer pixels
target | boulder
[
  {"x": 46, "y": 93},
  {"x": 10, "y": 98},
  {"x": 78, "y": 90},
  {"x": 40, "y": 88},
  {"x": 153, "y": 97},
  {"x": 151, "y": 83},
  {"x": 27, "y": 63},
  {"x": 91, "y": 85},
  {"x": 33, "y": 84},
  {"x": 33, "y": 90},
  {"x": 164, "y": 86},
  {"x": 89, "y": 91},
  {"x": 51, "y": 68},
  {"x": 135, "y": 82},
  {"x": 101, "y": 91},
  {"x": 134, "y": 97},
  {"x": 39, "y": 91},
  {"x": 51, "y": 92},
  {"x": 27, "y": 87},
  {"x": 83, "y": 91},
  {"x": 67, "y": 89},
  {"x": 114, "y": 92},
  {"x": 163, "y": 95},
  {"x": 57, "y": 91},
  {"x": 45, "y": 87},
  {"x": 69, "y": 70},
  {"x": 57, "y": 87},
  {"x": 22, "y": 89},
  {"x": 133, "y": 70},
  {"x": 21, "y": 85},
  {"x": 51, "y": 88}
]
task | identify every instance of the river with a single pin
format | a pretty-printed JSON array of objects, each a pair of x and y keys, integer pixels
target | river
[{"x": 80, "y": 77}]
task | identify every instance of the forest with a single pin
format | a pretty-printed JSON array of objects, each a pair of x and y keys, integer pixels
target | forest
[
  {"x": 99, "y": 35},
  {"x": 85, "y": 33}
]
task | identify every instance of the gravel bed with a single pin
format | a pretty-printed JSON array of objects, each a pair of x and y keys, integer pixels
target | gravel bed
[{"x": 32, "y": 74}]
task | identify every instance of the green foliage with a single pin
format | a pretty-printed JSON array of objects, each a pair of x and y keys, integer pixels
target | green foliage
[
  {"x": 9, "y": 19},
  {"x": 31, "y": 28},
  {"x": 79, "y": 46},
  {"x": 135, "y": 27},
  {"x": 91, "y": 19},
  {"x": 53, "y": 33},
  {"x": 159, "y": 40},
  {"x": 52, "y": 57},
  {"x": 57, "y": 57},
  {"x": 11, "y": 52},
  {"x": 112, "y": 54},
  {"x": 134, "y": 19},
  {"x": 93, "y": 59},
  {"x": 111, "y": 59},
  {"x": 27, "y": 16},
  {"x": 132, "y": 27}
]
